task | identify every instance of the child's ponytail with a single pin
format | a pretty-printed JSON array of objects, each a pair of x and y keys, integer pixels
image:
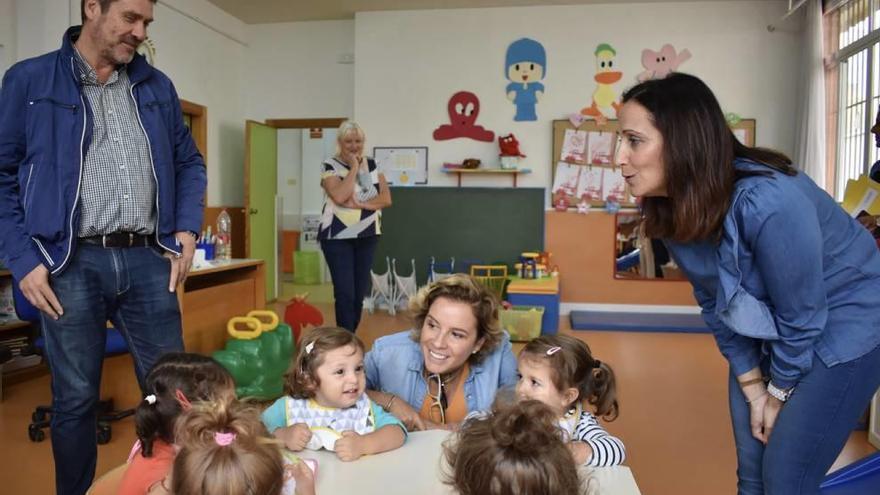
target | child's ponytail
[{"x": 603, "y": 391}]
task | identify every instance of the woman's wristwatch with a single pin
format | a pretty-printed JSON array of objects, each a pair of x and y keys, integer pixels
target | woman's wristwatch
[{"x": 781, "y": 394}]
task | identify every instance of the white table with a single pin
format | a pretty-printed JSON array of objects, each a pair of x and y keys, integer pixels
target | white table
[{"x": 415, "y": 468}]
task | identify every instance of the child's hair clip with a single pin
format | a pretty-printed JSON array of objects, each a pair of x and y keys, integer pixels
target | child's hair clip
[
  {"x": 309, "y": 347},
  {"x": 151, "y": 399},
  {"x": 223, "y": 439},
  {"x": 553, "y": 350}
]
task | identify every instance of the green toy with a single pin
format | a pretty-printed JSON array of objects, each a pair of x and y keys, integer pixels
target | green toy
[{"x": 259, "y": 356}]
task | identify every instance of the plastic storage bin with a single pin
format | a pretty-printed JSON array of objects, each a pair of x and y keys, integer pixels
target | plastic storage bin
[
  {"x": 523, "y": 323},
  {"x": 550, "y": 303},
  {"x": 306, "y": 267}
]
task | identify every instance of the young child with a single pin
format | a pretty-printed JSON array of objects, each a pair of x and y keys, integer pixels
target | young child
[
  {"x": 327, "y": 405},
  {"x": 226, "y": 450},
  {"x": 560, "y": 371},
  {"x": 176, "y": 380},
  {"x": 514, "y": 450}
]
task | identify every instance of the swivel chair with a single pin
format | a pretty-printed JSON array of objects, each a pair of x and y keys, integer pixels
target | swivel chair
[{"x": 41, "y": 417}]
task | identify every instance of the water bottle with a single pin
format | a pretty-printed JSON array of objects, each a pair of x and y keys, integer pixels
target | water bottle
[{"x": 223, "y": 244}]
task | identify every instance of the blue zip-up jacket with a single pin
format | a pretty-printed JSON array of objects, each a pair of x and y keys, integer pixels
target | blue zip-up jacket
[
  {"x": 45, "y": 132},
  {"x": 793, "y": 275}
]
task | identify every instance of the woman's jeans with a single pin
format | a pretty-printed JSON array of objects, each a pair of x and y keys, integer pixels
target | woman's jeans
[
  {"x": 129, "y": 287},
  {"x": 810, "y": 431},
  {"x": 350, "y": 261}
]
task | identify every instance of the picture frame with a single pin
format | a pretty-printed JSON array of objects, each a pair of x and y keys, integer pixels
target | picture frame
[
  {"x": 402, "y": 165},
  {"x": 744, "y": 130}
]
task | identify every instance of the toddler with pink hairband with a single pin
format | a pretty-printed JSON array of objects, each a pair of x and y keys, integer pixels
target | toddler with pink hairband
[
  {"x": 224, "y": 449},
  {"x": 561, "y": 372}
]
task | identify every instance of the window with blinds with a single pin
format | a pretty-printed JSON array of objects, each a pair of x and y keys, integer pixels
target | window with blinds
[{"x": 854, "y": 42}]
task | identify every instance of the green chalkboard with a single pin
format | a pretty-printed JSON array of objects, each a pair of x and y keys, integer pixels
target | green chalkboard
[{"x": 486, "y": 224}]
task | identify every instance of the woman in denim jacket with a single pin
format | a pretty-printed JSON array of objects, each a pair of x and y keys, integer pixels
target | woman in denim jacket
[
  {"x": 451, "y": 363},
  {"x": 786, "y": 279}
]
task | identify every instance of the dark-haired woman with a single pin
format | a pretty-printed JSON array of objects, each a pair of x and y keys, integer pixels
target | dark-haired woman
[{"x": 787, "y": 281}]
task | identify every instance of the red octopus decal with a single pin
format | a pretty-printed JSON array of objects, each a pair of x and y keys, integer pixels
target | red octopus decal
[{"x": 463, "y": 108}]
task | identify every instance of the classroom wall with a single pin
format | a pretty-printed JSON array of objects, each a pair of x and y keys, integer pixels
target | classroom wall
[
  {"x": 408, "y": 64},
  {"x": 7, "y": 34},
  {"x": 293, "y": 70}
]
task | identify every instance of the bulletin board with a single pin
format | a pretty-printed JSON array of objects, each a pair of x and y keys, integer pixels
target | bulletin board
[
  {"x": 403, "y": 166},
  {"x": 583, "y": 164},
  {"x": 587, "y": 174}
]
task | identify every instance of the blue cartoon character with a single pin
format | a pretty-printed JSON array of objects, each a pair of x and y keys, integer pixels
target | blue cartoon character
[{"x": 525, "y": 65}]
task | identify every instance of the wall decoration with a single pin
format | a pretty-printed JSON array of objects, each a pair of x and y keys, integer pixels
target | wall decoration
[
  {"x": 463, "y": 109},
  {"x": 660, "y": 64},
  {"x": 525, "y": 65},
  {"x": 605, "y": 98},
  {"x": 601, "y": 148},
  {"x": 403, "y": 166},
  {"x": 574, "y": 146}
]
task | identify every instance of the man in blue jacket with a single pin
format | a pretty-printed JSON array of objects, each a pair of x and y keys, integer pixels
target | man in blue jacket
[{"x": 101, "y": 192}]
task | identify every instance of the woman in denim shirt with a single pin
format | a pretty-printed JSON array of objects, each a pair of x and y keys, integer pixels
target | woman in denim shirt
[
  {"x": 787, "y": 281},
  {"x": 451, "y": 363}
]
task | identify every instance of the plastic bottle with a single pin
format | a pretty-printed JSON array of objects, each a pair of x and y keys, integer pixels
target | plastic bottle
[{"x": 223, "y": 243}]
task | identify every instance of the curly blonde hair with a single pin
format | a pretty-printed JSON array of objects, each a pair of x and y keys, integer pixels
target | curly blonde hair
[
  {"x": 464, "y": 289},
  {"x": 249, "y": 463}
]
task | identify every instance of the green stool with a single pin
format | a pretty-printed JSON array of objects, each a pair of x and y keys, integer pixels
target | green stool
[{"x": 306, "y": 267}]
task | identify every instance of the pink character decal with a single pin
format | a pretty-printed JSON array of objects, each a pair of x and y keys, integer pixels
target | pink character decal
[{"x": 660, "y": 64}]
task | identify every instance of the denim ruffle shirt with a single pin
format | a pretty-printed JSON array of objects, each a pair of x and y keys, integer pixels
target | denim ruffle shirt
[{"x": 792, "y": 274}]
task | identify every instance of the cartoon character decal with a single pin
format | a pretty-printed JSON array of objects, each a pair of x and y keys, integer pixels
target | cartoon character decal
[
  {"x": 525, "y": 65},
  {"x": 660, "y": 64},
  {"x": 605, "y": 97},
  {"x": 463, "y": 109}
]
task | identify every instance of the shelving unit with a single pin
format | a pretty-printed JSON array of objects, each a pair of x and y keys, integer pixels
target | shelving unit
[{"x": 487, "y": 171}]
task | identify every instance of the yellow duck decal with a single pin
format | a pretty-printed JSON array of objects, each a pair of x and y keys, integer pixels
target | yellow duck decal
[{"x": 605, "y": 97}]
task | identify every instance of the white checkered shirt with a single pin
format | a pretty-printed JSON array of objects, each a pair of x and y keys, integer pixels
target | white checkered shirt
[{"x": 118, "y": 192}]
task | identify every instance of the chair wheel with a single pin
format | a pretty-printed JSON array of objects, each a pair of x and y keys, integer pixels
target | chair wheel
[
  {"x": 38, "y": 416},
  {"x": 104, "y": 434},
  {"x": 36, "y": 434}
]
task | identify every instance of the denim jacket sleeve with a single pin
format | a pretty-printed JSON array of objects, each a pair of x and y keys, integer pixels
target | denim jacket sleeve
[
  {"x": 781, "y": 227},
  {"x": 743, "y": 353},
  {"x": 16, "y": 247}
]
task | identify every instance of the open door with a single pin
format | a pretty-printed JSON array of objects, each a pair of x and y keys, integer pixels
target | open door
[{"x": 260, "y": 189}]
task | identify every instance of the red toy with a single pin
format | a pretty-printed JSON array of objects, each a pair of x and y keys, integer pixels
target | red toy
[
  {"x": 509, "y": 146},
  {"x": 299, "y": 313}
]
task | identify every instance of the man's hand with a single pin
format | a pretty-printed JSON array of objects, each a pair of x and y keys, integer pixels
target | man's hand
[
  {"x": 36, "y": 289},
  {"x": 180, "y": 265}
]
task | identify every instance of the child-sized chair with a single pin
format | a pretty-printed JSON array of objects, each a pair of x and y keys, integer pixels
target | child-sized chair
[
  {"x": 439, "y": 270},
  {"x": 861, "y": 477},
  {"x": 405, "y": 287},
  {"x": 494, "y": 277},
  {"x": 382, "y": 292}
]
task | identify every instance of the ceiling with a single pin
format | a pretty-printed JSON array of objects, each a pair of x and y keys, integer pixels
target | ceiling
[{"x": 266, "y": 11}]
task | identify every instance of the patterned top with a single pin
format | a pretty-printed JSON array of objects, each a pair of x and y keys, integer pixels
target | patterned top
[
  {"x": 118, "y": 188},
  {"x": 339, "y": 222},
  {"x": 327, "y": 423}
]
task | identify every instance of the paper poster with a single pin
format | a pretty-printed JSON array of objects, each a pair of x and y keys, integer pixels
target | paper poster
[
  {"x": 525, "y": 65},
  {"x": 861, "y": 195},
  {"x": 601, "y": 146},
  {"x": 403, "y": 166},
  {"x": 613, "y": 185},
  {"x": 590, "y": 184},
  {"x": 605, "y": 102},
  {"x": 662, "y": 63},
  {"x": 566, "y": 180},
  {"x": 463, "y": 109},
  {"x": 574, "y": 146}
]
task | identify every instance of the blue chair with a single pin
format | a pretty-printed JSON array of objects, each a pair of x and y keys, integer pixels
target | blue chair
[
  {"x": 858, "y": 478},
  {"x": 40, "y": 418}
]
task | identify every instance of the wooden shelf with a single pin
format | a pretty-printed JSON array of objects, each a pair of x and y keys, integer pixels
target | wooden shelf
[{"x": 487, "y": 171}]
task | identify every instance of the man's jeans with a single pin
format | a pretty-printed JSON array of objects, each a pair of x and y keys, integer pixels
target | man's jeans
[
  {"x": 810, "y": 431},
  {"x": 129, "y": 287}
]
